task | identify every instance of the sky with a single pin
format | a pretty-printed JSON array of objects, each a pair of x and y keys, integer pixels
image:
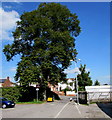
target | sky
[{"x": 93, "y": 43}]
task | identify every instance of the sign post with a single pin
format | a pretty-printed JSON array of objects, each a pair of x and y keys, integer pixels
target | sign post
[{"x": 37, "y": 89}]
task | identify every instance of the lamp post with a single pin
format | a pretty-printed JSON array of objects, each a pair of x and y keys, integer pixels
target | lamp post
[
  {"x": 37, "y": 89},
  {"x": 76, "y": 80},
  {"x": 77, "y": 90}
]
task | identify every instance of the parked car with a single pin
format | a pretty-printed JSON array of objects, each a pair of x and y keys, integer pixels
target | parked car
[{"x": 5, "y": 103}]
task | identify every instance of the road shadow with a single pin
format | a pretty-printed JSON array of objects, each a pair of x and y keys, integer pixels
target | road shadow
[{"x": 106, "y": 107}]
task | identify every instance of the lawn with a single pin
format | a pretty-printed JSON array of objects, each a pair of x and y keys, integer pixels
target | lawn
[{"x": 32, "y": 102}]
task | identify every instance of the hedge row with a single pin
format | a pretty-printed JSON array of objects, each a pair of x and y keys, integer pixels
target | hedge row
[
  {"x": 11, "y": 93},
  {"x": 26, "y": 94},
  {"x": 19, "y": 94}
]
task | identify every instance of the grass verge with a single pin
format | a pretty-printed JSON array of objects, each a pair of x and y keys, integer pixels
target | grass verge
[{"x": 32, "y": 102}]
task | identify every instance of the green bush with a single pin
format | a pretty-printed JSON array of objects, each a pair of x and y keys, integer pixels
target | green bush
[
  {"x": 67, "y": 89},
  {"x": 27, "y": 94},
  {"x": 19, "y": 94},
  {"x": 11, "y": 93},
  {"x": 82, "y": 88}
]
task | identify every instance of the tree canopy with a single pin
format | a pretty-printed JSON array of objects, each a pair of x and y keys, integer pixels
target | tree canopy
[
  {"x": 97, "y": 83},
  {"x": 83, "y": 79},
  {"x": 45, "y": 40}
]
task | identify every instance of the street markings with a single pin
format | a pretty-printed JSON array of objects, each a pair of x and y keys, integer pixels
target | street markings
[
  {"x": 78, "y": 109},
  {"x": 64, "y": 108},
  {"x": 8, "y": 109},
  {"x": 74, "y": 103},
  {"x": 61, "y": 110}
]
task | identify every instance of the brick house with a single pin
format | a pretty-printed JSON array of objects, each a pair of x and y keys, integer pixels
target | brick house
[{"x": 6, "y": 83}]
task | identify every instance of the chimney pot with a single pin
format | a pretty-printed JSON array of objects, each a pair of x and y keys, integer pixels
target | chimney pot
[{"x": 7, "y": 78}]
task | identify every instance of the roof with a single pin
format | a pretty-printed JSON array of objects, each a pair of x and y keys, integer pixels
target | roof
[
  {"x": 102, "y": 88},
  {"x": 2, "y": 80}
]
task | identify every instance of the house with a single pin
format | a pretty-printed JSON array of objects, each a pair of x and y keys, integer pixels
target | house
[
  {"x": 59, "y": 88},
  {"x": 70, "y": 83},
  {"x": 6, "y": 83}
]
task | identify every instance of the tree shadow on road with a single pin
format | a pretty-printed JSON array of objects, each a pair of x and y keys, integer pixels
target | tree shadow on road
[{"x": 106, "y": 107}]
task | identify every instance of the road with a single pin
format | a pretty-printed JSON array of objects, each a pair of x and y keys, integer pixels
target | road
[{"x": 57, "y": 109}]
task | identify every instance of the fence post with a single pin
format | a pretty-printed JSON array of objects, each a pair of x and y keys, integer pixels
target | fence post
[
  {"x": 110, "y": 96},
  {"x": 88, "y": 99}
]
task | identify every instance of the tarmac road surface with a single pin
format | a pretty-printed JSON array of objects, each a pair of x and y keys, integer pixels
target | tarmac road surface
[{"x": 57, "y": 109}]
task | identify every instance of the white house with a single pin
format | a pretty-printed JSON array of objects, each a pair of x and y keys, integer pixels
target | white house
[{"x": 70, "y": 84}]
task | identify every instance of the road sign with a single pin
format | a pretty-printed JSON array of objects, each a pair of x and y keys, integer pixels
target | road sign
[{"x": 37, "y": 89}]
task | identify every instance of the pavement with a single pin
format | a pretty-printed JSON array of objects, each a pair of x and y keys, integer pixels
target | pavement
[
  {"x": 57, "y": 109},
  {"x": 106, "y": 107}
]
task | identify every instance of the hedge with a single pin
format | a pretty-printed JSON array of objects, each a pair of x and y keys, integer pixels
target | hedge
[
  {"x": 25, "y": 94},
  {"x": 11, "y": 93},
  {"x": 19, "y": 94}
]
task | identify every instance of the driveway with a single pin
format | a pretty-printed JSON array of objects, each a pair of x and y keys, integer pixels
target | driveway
[{"x": 57, "y": 109}]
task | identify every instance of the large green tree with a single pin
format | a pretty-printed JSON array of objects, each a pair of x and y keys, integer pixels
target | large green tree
[
  {"x": 45, "y": 40},
  {"x": 83, "y": 78}
]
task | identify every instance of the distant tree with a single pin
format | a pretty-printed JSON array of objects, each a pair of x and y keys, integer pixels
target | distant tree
[
  {"x": 105, "y": 84},
  {"x": 44, "y": 38},
  {"x": 83, "y": 79},
  {"x": 97, "y": 82}
]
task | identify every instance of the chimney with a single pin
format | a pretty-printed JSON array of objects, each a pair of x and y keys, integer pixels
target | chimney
[{"x": 7, "y": 78}]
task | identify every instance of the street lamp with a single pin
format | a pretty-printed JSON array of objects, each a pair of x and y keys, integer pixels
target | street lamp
[
  {"x": 37, "y": 89},
  {"x": 76, "y": 79}
]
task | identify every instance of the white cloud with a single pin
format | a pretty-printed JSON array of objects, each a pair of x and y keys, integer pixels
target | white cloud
[
  {"x": 8, "y": 23},
  {"x": 75, "y": 70}
]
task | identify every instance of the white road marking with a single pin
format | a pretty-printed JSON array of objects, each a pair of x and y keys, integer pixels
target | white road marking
[
  {"x": 78, "y": 109},
  {"x": 61, "y": 110},
  {"x": 51, "y": 104},
  {"x": 8, "y": 109},
  {"x": 75, "y": 103}
]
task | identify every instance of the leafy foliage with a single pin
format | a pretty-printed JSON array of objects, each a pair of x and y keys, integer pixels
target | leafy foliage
[
  {"x": 83, "y": 78},
  {"x": 45, "y": 40},
  {"x": 11, "y": 93},
  {"x": 19, "y": 94},
  {"x": 97, "y": 82},
  {"x": 67, "y": 89}
]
